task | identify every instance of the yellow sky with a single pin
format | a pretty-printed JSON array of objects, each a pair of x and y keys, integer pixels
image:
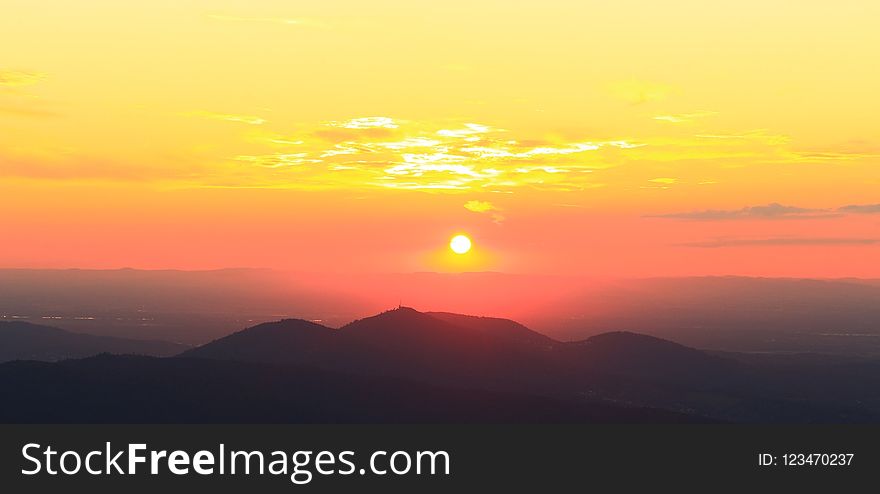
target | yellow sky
[{"x": 623, "y": 108}]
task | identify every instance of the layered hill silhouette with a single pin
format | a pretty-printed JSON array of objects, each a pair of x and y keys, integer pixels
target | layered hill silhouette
[
  {"x": 408, "y": 366},
  {"x": 452, "y": 348},
  {"x": 500, "y": 355},
  {"x": 25, "y": 341}
]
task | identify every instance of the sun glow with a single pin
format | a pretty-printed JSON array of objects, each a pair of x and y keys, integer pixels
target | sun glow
[{"x": 460, "y": 244}]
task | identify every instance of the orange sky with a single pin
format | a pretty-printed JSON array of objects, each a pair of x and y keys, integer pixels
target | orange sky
[{"x": 629, "y": 138}]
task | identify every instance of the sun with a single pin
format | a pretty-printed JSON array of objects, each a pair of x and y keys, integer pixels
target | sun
[{"x": 460, "y": 244}]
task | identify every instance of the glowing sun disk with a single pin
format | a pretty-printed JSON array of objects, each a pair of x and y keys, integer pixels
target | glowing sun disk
[{"x": 460, "y": 244}]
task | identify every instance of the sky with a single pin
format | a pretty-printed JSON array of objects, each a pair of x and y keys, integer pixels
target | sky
[{"x": 630, "y": 138}]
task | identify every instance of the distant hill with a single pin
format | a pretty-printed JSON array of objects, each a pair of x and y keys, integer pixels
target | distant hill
[
  {"x": 445, "y": 347},
  {"x": 633, "y": 354},
  {"x": 127, "y": 389},
  {"x": 286, "y": 341},
  {"x": 402, "y": 343},
  {"x": 729, "y": 313},
  {"x": 26, "y": 341}
]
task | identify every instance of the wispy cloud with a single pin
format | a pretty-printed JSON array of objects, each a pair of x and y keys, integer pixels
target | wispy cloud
[
  {"x": 662, "y": 183},
  {"x": 479, "y": 206},
  {"x": 230, "y": 117},
  {"x": 485, "y": 207},
  {"x": 684, "y": 117},
  {"x": 366, "y": 123},
  {"x": 770, "y": 211},
  {"x": 275, "y": 139},
  {"x": 830, "y": 156},
  {"x": 278, "y": 160},
  {"x": 17, "y": 78},
  {"x": 860, "y": 208},
  {"x": 470, "y": 131},
  {"x": 755, "y": 136},
  {"x": 779, "y": 241}
]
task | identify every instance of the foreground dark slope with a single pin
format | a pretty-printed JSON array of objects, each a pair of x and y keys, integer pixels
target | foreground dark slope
[
  {"x": 501, "y": 355},
  {"x": 26, "y": 341},
  {"x": 127, "y": 389}
]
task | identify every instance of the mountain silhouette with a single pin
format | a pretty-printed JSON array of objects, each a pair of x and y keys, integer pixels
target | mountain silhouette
[
  {"x": 402, "y": 343},
  {"x": 25, "y": 341},
  {"x": 289, "y": 341},
  {"x": 453, "y": 349},
  {"x": 408, "y": 366},
  {"x": 633, "y": 354},
  {"x": 503, "y": 356}
]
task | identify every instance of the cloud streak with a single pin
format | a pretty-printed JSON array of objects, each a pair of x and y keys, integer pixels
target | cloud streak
[
  {"x": 684, "y": 117},
  {"x": 860, "y": 209},
  {"x": 366, "y": 123},
  {"x": 769, "y": 211},
  {"x": 485, "y": 207},
  {"x": 16, "y": 78},
  {"x": 230, "y": 117},
  {"x": 779, "y": 241}
]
